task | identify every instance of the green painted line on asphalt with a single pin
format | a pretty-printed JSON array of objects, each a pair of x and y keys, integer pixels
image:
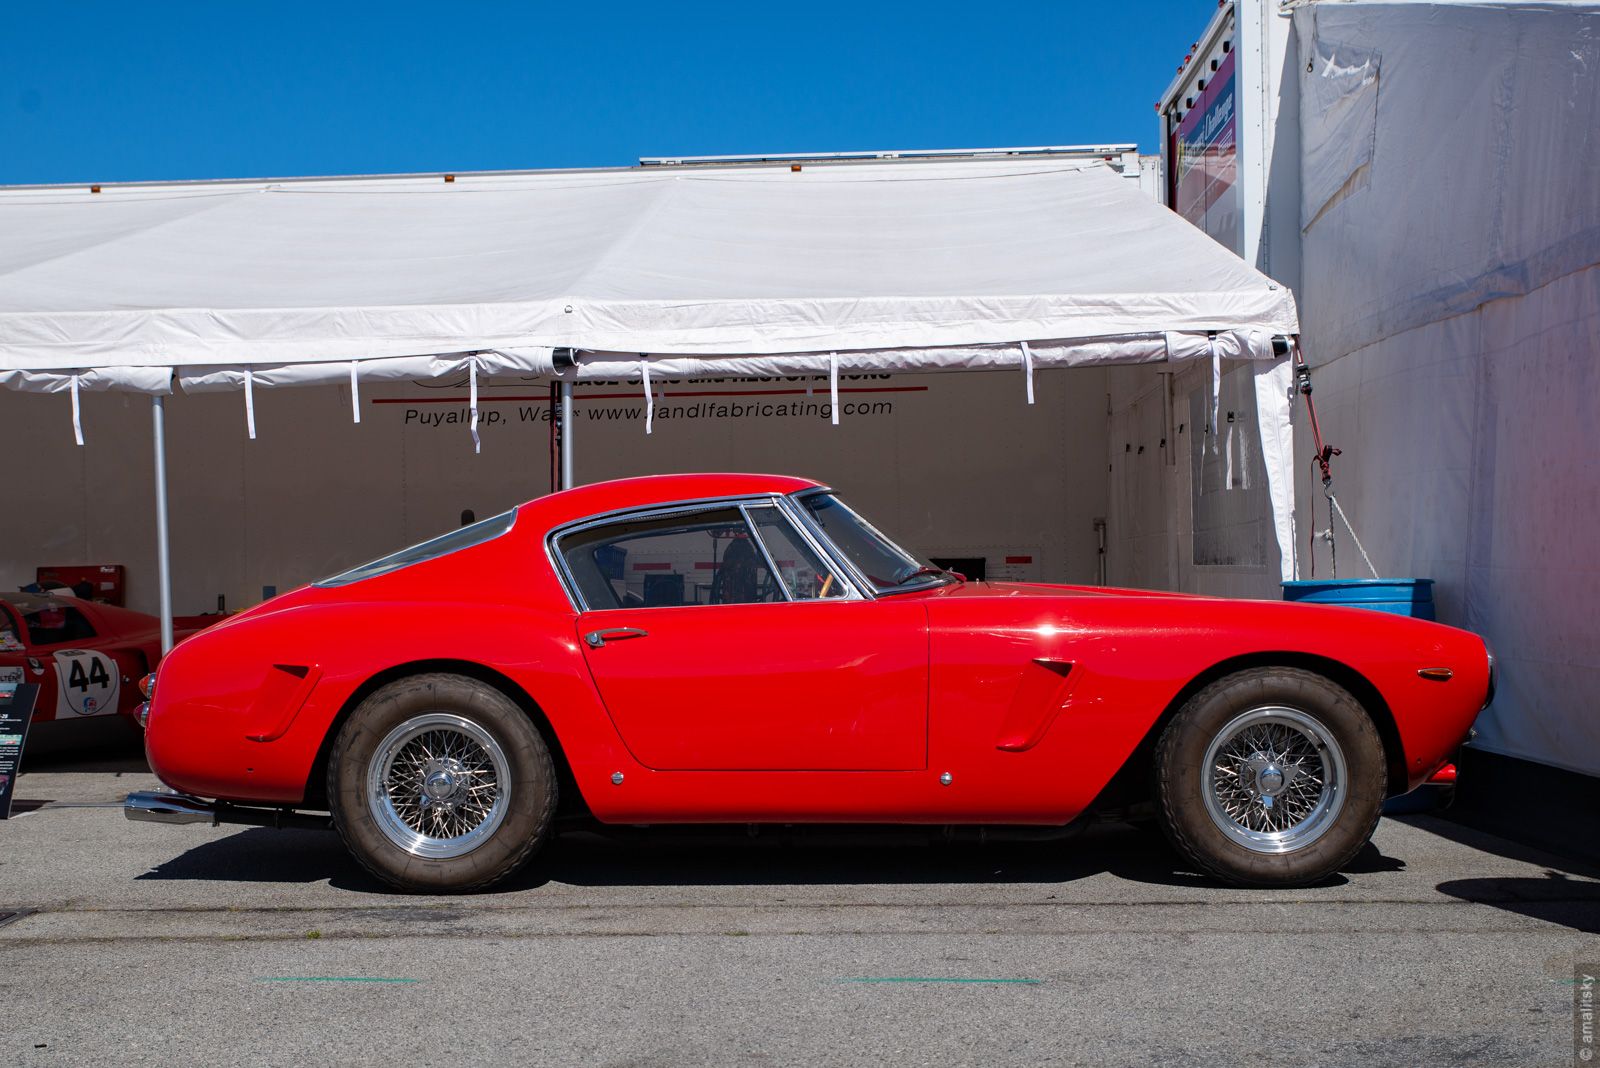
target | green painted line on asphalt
[
  {"x": 331, "y": 979},
  {"x": 934, "y": 979}
]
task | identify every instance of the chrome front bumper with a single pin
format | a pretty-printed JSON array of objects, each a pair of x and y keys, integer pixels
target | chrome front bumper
[{"x": 153, "y": 806}]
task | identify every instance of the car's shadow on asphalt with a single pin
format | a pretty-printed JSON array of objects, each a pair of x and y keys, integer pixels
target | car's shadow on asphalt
[
  {"x": 1566, "y": 892},
  {"x": 667, "y": 858}
]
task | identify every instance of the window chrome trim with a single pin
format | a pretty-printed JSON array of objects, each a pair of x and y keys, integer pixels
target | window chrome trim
[
  {"x": 766, "y": 554},
  {"x": 797, "y": 501},
  {"x": 818, "y": 539},
  {"x": 348, "y": 577},
  {"x": 854, "y": 590},
  {"x": 569, "y": 585}
]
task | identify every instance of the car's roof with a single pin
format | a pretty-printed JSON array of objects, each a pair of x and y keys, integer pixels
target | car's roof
[{"x": 600, "y": 497}]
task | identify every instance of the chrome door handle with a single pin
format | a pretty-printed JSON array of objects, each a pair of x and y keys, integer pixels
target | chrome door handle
[{"x": 596, "y": 638}]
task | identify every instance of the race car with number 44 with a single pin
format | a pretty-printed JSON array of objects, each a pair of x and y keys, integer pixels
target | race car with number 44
[
  {"x": 749, "y": 649},
  {"x": 86, "y": 657}
]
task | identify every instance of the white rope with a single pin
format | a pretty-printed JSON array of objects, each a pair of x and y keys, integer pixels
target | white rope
[
  {"x": 250, "y": 402},
  {"x": 1216, "y": 388},
  {"x": 1364, "y": 557},
  {"x": 355, "y": 393},
  {"x": 77, "y": 414},
  {"x": 833, "y": 386},
  {"x": 649, "y": 401},
  {"x": 1027, "y": 368},
  {"x": 472, "y": 401}
]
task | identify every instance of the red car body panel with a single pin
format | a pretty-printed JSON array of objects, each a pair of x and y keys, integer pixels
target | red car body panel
[{"x": 1028, "y": 698}]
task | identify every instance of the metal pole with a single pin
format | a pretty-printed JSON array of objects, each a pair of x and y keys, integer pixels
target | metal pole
[
  {"x": 158, "y": 417},
  {"x": 566, "y": 436}
]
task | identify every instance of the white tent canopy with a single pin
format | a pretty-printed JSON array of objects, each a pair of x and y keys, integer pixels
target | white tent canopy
[
  {"x": 917, "y": 262},
  {"x": 679, "y": 271}
]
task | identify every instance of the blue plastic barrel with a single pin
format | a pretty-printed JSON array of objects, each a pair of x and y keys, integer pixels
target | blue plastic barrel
[{"x": 1402, "y": 596}]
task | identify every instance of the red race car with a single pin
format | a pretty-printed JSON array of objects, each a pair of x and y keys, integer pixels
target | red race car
[
  {"x": 86, "y": 657},
  {"x": 749, "y": 649}
]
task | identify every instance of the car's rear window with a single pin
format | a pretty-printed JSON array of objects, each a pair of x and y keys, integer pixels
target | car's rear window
[{"x": 455, "y": 541}]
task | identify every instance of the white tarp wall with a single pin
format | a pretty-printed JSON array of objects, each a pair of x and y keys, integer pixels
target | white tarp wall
[{"x": 1451, "y": 308}]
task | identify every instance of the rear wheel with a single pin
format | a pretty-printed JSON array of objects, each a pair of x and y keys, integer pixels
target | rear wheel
[
  {"x": 1270, "y": 777},
  {"x": 440, "y": 782}
]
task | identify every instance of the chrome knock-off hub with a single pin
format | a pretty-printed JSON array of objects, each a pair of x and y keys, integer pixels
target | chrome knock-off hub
[
  {"x": 1265, "y": 778},
  {"x": 442, "y": 782}
]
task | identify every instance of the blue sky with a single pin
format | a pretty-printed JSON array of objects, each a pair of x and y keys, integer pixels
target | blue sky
[{"x": 132, "y": 91}]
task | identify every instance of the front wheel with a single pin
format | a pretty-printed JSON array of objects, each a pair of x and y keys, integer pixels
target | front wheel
[
  {"x": 1270, "y": 777},
  {"x": 440, "y": 782}
]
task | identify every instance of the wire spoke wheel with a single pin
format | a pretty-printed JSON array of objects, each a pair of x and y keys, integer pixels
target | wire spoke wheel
[
  {"x": 438, "y": 785},
  {"x": 1274, "y": 779}
]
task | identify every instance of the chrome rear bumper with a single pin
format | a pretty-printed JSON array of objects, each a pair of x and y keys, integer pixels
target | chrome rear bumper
[
  {"x": 155, "y": 807},
  {"x": 151, "y": 806}
]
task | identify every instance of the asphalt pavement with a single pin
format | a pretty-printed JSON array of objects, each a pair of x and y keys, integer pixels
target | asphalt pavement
[{"x": 144, "y": 944}]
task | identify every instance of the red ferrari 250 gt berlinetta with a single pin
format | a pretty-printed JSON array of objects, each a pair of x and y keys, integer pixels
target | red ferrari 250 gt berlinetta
[{"x": 727, "y": 648}]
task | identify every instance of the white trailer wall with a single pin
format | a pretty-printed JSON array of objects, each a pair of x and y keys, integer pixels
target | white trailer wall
[
  {"x": 954, "y": 464},
  {"x": 1451, "y": 310},
  {"x": 1156, "y": 504}
]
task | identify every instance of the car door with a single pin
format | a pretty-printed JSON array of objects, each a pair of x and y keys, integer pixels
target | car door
[{"x": 721, "y": 639}]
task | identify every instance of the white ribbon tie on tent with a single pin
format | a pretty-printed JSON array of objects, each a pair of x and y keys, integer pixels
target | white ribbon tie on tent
[
  {"x": 649, "y": 401},
  {"x": 355, "y": 393},
  {"x": 1027, "y": 368},
  {"x": 472, "y": 401},
  {"x": 833, "y": 386},
  {"x": 77, "y": 415},
  {"x": 1216, "y": 388},
  {"x": 250, "y": 403}
]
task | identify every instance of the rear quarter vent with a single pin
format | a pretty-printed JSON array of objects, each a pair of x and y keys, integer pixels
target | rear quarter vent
[{"x": 279, "y": 699}]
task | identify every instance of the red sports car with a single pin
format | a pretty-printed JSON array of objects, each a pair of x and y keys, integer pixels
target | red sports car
[
  {"x": 749, "y": 649},
  {"x": 86, "y": 657}
]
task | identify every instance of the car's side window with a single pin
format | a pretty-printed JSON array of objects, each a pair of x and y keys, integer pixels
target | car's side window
[
  {"x": 700, "y": 558},
  {"x": 803, "y": 571},
  {"x": 52, "y": 624}
]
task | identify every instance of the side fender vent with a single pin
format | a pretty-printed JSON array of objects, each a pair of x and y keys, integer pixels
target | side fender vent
[
  {"x": 1041, "y": 693},
  {"x": 279, "y": 700}
]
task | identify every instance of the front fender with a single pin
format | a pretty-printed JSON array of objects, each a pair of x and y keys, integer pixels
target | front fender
[{"x": 1048, "y": 698}]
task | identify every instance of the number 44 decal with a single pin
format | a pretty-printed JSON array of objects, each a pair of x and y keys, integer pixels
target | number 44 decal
[
  {"x": 87, "y": 683},
  {"x": 96, "y": 676}
]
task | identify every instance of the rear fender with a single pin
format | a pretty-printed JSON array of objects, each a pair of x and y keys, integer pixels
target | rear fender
[{"x": 213, "y": 690}]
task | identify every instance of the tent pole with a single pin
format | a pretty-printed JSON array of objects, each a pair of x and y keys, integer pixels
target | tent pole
[
  {"x": 566, "y": 436},
  {"x": 158, "y": 416}
]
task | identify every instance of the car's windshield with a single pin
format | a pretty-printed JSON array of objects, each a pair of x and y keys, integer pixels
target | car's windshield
[{"x": 886, "y": 565}]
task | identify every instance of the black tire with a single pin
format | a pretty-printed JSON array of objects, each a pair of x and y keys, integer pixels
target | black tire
[
  {"x": 524, "y": 818},
  {"x": 1326, "y": 710}
]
